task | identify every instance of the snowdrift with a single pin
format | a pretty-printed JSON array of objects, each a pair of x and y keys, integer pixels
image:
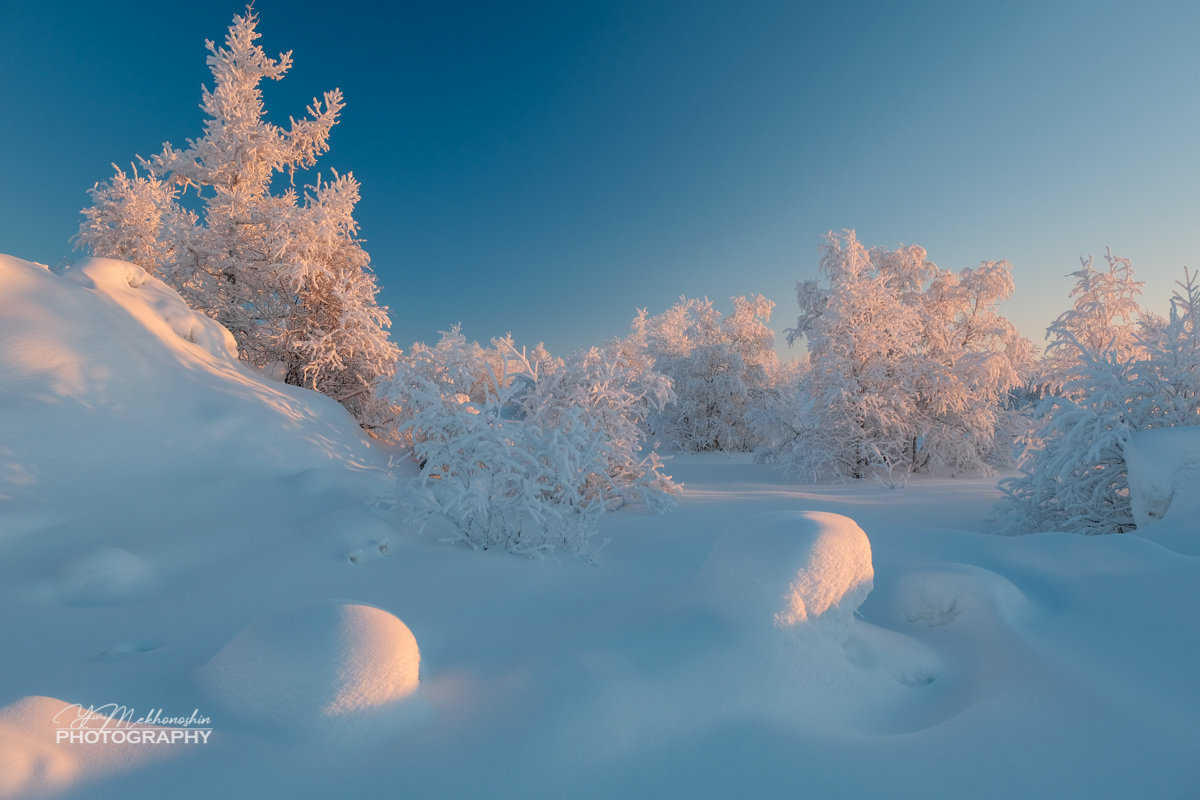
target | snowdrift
[
  {"x": 793, "y": 569},
  {"x": 36, "y": 760},
  {"x": 315, "y": 664},
  {"x": 112, "y": 386},
  {"x": 1164, "y": 486}
]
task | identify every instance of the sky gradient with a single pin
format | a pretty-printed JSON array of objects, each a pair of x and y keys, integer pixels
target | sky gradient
[{"x": 547, "y": 168}]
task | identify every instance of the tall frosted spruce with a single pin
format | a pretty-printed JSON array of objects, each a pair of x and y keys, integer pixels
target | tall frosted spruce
[{"x": 283, "y": 271}]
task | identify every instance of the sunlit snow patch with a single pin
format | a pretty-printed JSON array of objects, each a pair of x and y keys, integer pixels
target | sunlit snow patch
[
  {"x": 795, "y": 569},
  {"x": 316, "y": 666},
  {"x": 39, "y": 758},
  {"x": 153, "y": 303}
]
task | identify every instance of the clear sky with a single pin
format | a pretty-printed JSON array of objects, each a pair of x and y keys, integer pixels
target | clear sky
[{"x": 546, "y": 168}]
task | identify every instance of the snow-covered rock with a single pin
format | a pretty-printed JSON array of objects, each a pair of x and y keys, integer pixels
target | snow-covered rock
[
  {"x": 791, "y": 568},
  {"x": 313, "y": 664}
]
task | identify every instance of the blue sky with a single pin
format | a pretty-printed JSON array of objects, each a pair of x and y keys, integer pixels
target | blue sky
[{"x": 547, "y": 168}]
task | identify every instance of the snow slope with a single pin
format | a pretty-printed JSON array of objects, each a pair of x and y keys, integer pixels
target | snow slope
[{"x": 176, "y": 533}]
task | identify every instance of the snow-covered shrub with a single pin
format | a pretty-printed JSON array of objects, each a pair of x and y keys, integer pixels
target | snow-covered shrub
[
  {"x": 285, "y": 273},
  {"x": 616, "y": 389},
  {"x": 524, "y": 458},
  {"x": 506, "y": 483},
  {"x": 1072, "y": 475},
  {"x": 720, "y": 367},
  {"x": 907, "y": 368},
  {"x": 1111, "y": 371}
]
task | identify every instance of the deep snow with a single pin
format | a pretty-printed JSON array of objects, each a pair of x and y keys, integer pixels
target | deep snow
[{"x": 176, "y": 533}]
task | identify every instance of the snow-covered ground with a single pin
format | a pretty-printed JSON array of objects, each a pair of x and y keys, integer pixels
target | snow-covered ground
[{"x": 179, "y": 534}]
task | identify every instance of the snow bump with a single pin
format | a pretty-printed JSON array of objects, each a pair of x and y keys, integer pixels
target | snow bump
[
  {"x": 106, "y": 576},
  {"x": 315, "y": 664},
  {"x": 792, "y": 568},
  {"x": 941, "y": 594}
]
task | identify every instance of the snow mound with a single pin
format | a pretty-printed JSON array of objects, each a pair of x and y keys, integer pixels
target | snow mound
[
  {"x": 34, "y": 762},
  {"x": 105, "y": 576},
  {"x": 113, "y": 389},
  {"x": 154, "y": 304},
  {"x": 313, "y": 664},
  {"x": 1164, "y": 486},
  {"x": 942, "y": 594},
  {"x": 793, "y": 568}
]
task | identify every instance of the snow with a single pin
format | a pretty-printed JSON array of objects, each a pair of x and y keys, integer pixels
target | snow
[
  {"x": 104, "y": 575},
  {"x": 173, "y": 526},
  {"x": 791, "y": 568},
  {"x": 33, "y": 760},
  {"x": 315, "y": 663},
  {"x": 1164, "y": 473}
]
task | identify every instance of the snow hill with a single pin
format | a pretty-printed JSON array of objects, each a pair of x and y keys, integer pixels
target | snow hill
[{"x": 185, "y": 539}]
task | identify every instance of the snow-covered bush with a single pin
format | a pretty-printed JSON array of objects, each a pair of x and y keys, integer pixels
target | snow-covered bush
[
  {"x": 503, "y": 482},
  {"x": 720, "y": 367},
  {"x": 907, "y": 368},
  {"x": 523, "y": 451},
  {"x": 617, "y": 389},
  {"x": 1111, "y": 371},
  {"x": 1072, "y": 474},
  {"x": 285, "y": 273}
]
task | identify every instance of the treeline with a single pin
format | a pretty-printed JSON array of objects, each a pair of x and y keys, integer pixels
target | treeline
[{"x": 908, "y": 369}]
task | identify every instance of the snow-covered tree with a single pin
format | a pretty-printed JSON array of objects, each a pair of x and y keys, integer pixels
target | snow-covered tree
[
  {"x": 284, "y": 272},
  {"x": 503, "y": 480},
  {"x": 138, "y": 218},
  {"x": 618, "y": 389},
  {"x": 907, "y": 366},
  {"x": 522, "y": 450},
  {"x": 720, "y": 367},
  {"x": 1172, "y": 350},
  {"x": 1112, "y": 370},
  {"x": 1102, "y": 323},
  {"x": 1072, "y": 476}
]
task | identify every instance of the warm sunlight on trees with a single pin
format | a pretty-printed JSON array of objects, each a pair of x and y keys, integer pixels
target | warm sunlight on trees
[
  {"x": 908, "y": 365},
  {"x": 283, "y": 271},
  {"x": 721, "y": 367},
  {"x": 1112, "y": 370},
  {"x": 523, "y": 451}
]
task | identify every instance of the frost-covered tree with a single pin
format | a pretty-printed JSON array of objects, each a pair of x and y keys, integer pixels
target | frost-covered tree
[
  {"x": 907, "y": 366},
  {"x": 285, "y": 272},
  {"x": 137, "y": 218},
  {"x": 503, "y": 479},
  {"x": 618, "y": 389},
  {"x": 1113, "y": 370},
  {"x": 1172, "y": 352},
  {"x": 1102, "y": 323},
  {"x": 1073, "y": 470},
  {"x": 522, "y": 450},
  {"x": 720, "y": 367}
]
